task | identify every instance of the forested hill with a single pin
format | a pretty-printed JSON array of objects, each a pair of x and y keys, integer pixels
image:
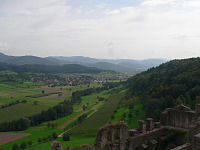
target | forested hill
[
  {"x": 70, "y": 68},
  {"x": 172, "y": 83},
  {"x": 116, "y": 65}
]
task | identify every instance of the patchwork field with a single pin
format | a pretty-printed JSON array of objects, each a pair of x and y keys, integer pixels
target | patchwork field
[
  {"x": 42, "y": 130},
  {"x": 6, "y": 137}
]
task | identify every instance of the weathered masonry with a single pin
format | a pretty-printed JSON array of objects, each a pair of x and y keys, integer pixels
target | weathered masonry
[
  {"x": 180, "y": 116},
  {"x": 148, "y": 134}
]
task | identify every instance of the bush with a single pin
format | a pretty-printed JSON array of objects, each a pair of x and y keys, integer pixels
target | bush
[
  {"x": 23, "y": 145},
  {"x": 35, "y": 102},
  {"x": 50, "y": 138},
  {"x": 54, "y": 135},
  {"x": 15, "y": 147},
  {"x": 39, "y": 140},
  {"x": 30, "y": 143},
  {"x": 66, "y": 137},
  {"x": 44, "y": 139}
]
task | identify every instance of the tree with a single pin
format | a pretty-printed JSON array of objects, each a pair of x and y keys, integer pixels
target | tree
[
  {"x": 39, "y": 140},
  {"x": 130, "y": 115},
  {"x": 48, "y": 125},
  {"x": 50, "y": 138},
  {"x": 66, "y": 137},
  {"x": 84, "y": 107},
  {"x": 131, "y": 106},
  {"x": 15, "y": 147},
  {"x": 23, "y": 145},
  {"x": 54, "y": 135},
  {"x": 25, "y": 123},
  {"x": 44, "y": 139},
  {"x": 30, "y": 143},
  {"x": 35, "y": 102}
]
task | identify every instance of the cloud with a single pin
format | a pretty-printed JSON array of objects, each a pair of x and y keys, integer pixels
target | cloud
[
  {"x": 158, "y": 2},
  {"x": 148, "y": 28}
]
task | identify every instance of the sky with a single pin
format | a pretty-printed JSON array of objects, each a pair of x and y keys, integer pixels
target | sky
[{"x": 133, "y": 29}]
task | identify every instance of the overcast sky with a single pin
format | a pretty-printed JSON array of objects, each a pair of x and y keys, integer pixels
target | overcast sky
[{"x": 136, "y": 29}]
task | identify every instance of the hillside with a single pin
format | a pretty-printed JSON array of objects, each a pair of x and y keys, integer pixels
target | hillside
[
  {"x": 165, "y": 86},
  {"x": 70, "y": 68},
  {"x": 25, "y": 60},
  {"x": 114, "y": 67},
  {"x": 117, "y": 65}
]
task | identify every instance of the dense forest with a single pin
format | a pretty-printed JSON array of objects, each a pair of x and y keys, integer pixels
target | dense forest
[
  {"x": 167, "y": 85},
  {"x": 69, "y": 68}
]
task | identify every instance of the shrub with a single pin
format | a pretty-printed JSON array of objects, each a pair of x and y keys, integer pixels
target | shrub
[
  {"x": 30, "y": 143},
  {"x": 39, "y": 140},
  {"x": 54, "y": 135},
  {"x": 66, "y": 137},
  {"x": 23, "y": 145},
  {"x": 44, "y": 139},
  {"x": 15, "y": 147}
]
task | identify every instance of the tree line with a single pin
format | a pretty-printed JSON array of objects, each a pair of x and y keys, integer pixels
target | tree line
[
  {"x": 13, "y": 103},
  {"x": 63, "y": 109}
]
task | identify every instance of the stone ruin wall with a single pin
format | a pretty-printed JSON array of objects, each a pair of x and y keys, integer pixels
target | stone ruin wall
[
  {"x": 111, "y": 134},
  {"x": 179, "y": 117},
  {"x": 118, "y": 137}
]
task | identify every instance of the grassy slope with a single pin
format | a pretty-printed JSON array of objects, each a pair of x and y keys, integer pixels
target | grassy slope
[
  {"x": 137, "y": 112},
  {"x": 100, "y": 118}
]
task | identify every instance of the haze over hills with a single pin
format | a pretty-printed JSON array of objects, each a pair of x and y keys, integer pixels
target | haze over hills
[{"x": 117, "y": 65}]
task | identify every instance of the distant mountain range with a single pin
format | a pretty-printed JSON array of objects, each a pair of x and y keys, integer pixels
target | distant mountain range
[{"x": 117, "y": 65}]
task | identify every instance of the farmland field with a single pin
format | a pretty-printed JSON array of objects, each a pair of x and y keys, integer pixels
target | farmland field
[
  {"x": 43, "y": 131},
  {"x": 7, "y": 137},
  {"x": 98, "y": 107},
  {"x": 18, "y": 111}
]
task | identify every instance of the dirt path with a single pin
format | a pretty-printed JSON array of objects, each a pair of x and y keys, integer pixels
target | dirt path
[
  {"x": 75, "y": 118},
  {"x": 71, "y": 120},
  {"x": 96, "y": 106}
]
